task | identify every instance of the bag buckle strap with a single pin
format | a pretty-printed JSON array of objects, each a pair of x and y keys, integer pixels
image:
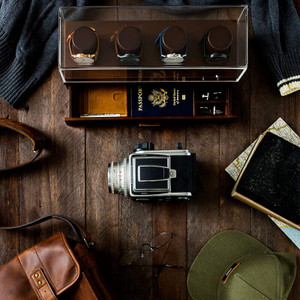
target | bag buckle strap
[{"x": 42, "y": 285}]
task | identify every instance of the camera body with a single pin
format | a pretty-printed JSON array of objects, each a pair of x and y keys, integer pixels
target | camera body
[{"x": 150, "y": 174}]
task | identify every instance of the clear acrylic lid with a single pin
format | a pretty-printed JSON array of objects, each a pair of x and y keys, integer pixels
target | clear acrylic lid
[{"x": 196, "y": 62}]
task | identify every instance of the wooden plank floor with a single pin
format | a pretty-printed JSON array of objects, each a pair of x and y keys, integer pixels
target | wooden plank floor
[{"x": 71, "y": 179}]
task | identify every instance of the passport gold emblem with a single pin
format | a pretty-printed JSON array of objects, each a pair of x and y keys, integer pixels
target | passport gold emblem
[{"x": 159, "y": 98}]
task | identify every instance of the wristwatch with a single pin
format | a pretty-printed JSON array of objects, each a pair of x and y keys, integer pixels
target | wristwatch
[
  {"x": 128, "y": 45},
  {"x": 84, "y": 45},
  {"x": 217, "y": 44},
  {"x": 172, "y": 45}
]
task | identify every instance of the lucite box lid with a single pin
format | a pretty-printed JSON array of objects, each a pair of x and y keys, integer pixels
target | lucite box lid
[{"x": 154, "y": 26}]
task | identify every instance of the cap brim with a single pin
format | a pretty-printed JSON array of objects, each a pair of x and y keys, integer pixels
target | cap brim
[
  {"x": 217, "y": 254},
  {"x": 289, "y": 268}
]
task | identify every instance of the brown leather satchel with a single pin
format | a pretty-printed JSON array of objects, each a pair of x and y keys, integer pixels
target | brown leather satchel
[{"x": 54, "y": 269}]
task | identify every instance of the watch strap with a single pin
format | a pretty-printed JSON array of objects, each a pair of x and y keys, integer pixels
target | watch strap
[{"x": 35, "y": 137}]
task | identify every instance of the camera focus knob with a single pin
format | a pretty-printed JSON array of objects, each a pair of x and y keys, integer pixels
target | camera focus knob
[{"x": 144, "y": 146}]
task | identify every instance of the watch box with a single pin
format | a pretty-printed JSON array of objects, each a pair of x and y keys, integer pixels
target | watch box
[{"x": 156, "y": 53}]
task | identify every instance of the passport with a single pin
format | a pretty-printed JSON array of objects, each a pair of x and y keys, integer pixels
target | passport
[{"x": 161, "y": 100}]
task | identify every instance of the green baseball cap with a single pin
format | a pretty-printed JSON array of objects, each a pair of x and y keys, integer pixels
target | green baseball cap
[{"x": 235, "y": 266}]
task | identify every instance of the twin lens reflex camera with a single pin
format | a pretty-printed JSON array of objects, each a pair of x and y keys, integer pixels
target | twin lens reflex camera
[{"x": 150, "y": 174}]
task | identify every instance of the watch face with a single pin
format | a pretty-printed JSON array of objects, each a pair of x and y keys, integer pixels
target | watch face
[
  {"x": 129, "y": 59},
  {"x": 173, "y": 58},
  {"x": 83, "y": 60},
  {"x": 216, "y": 58}
]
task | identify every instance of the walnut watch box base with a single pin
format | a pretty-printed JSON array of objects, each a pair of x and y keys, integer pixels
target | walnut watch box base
[{"x": 90, "y": 103}]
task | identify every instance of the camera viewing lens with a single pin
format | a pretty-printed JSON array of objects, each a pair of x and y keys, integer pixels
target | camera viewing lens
[{"x": 117, "y": 177}]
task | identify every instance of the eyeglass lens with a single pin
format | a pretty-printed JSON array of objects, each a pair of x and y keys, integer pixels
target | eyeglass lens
[{"x": 161, "y": 239}]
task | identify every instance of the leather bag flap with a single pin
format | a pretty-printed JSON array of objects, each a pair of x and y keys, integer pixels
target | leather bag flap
[{"x": 45, "y": 270}]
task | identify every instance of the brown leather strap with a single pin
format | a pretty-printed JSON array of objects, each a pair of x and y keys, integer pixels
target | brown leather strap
[
  {"x": 42, "y": 285},
  {"x": 36, "y": 138},
  {"x": 82, "y": 235}
]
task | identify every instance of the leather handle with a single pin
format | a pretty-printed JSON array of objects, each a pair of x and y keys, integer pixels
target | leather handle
[
  {"x": 36, "y": 138},
  {"x": 82, "y": 235}
]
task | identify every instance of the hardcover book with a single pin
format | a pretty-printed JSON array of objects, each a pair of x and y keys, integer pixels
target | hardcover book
[
  {"x": 282, "y": 129},
  {"x": 161, "y": 100},
  {"x": 270, "y": 179}
]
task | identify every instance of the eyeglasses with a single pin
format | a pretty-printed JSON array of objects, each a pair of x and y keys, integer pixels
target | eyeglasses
[{"x": 140, "y": 257}]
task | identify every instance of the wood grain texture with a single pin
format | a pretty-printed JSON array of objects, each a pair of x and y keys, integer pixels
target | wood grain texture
[
  {"x": 34, "y": 182},
  {"x": 203, "y": 211},
  {"x": 9, "y": 186},
  {"x": 170, "y": 217},
  {"x": 67, "y": 159},
  {"x": 71, "y": 178}
]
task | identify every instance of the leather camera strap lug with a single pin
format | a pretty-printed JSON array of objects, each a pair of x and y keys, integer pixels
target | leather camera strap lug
[
  {"x": 36, "y": 138},
  {"x": 82, "y": 235}
]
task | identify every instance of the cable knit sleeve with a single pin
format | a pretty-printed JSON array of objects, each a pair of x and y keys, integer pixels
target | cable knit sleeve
[
  {"x": 277, "y": 30},
  {"x": 28, "y": 44}
]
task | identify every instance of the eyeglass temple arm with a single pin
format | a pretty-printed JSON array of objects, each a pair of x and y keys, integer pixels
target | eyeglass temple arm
[{"x": 167, "y": 266}]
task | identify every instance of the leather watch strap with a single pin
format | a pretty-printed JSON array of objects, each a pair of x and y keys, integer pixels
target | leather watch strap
[
  {"x": 82, "y": 235},
  {"x": 36, "y": 138}
]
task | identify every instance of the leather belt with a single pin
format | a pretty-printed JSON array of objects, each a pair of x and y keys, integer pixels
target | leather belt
[{"x": 36, "y": 138}]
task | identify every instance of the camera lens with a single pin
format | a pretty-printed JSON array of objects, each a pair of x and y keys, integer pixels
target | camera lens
[{"x": 118, "y": 177}]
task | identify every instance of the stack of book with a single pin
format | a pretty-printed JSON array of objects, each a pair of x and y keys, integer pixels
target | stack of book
[{"x": 267, "y": 175}]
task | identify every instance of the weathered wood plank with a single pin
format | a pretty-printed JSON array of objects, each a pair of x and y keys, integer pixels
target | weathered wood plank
[
  {"x": 9, "y": 188},
  {"x": 203, "y": 210},
  {"x": 34, "y": 182},
  {"x": 170, "y": 216},
  {"x": 67, "y": 158},
  {"x": 135, "y": 221}
]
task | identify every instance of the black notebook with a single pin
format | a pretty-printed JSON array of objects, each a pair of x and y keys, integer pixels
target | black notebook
[{"x": 270, "y": 179}]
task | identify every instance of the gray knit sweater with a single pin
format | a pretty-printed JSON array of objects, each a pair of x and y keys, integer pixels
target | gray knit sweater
[{"x": 28, "y": 44}]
